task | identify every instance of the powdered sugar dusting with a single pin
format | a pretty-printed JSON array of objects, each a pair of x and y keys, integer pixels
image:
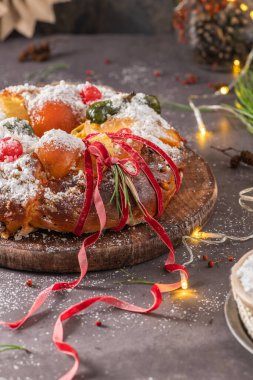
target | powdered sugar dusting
[
  {"x": 17, "y": 181},
  {"x": 146, "y": 122},
  {"x": 62, "y": 92},
  {"x": 2, "y": 114},
  {"x": 61, "y": 139},
  {"x": 28, "y": 141},
  {"x": 36, "y": 97},
  {"x": 245, "y": 274}
]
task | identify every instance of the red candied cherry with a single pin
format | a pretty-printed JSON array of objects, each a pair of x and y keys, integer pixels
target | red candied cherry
[
  {"x": 90, "y": 94},
  {"x": 10, "y": 149}
]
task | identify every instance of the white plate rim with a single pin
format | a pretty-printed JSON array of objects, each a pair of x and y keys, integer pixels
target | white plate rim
[{"x": 235, "y": 324}]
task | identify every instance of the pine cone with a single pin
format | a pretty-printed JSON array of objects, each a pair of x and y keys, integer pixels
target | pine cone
[
  {"x": 235, "y": 162},
  {"x": 247, "y": 157},
  {"x": 217, "y": 37}
]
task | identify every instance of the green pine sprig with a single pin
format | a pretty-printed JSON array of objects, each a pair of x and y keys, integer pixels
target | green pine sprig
[
  {"x": 120, "y": 184},
  {"x": 9, "y": 347},
  {"x": 244, "y": 99}
]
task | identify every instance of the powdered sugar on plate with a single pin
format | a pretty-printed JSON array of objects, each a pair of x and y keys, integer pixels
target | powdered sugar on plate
[{"x": 245, "y": 274}]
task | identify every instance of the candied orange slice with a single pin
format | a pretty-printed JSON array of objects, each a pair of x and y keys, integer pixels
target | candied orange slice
[
  {"x": 53, "y": 115},
  {"x": 57, "y": 161},
  {"x": 13, "y": 105},
  {"x": 172, "y": 137}
]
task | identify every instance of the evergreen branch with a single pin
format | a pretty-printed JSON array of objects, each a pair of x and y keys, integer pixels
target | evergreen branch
[
  {"x": 9, "y": 347},
  {"x": 183, "y": 107},
  {"x": 120, "y": 184}
]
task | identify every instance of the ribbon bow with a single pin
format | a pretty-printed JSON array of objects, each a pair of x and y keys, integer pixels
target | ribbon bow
[{"x": 92, "y": 195}]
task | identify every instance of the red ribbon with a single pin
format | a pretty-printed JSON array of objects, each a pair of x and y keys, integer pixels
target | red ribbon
[
  {"x": 93, "y": 195},
  {"x": 77, "y": 308}
]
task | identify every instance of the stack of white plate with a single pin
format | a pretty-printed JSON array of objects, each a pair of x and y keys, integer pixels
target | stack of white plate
[{"x": 242, "y": 288}]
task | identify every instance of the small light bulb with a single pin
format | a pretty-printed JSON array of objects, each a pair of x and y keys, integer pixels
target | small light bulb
[
  {"x": 237, "y": 63},
  {"x": 202, "y": 129},
  {"x": 224, "y": 90},
  {"x": 184, "y": 284},
  {"x": 244, "y": 7},
  {"x": 196, "y": 233}
]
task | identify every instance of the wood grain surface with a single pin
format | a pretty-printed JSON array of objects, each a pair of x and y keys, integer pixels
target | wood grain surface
[{"x": 45, "y": 251}]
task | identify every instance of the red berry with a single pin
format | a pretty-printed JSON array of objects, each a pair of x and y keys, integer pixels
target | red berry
[
  {"x": 10, "y": 149},
  {"x": 157, "y": 73},
  {"x": 205, "y": 257},
  {"x": 210, "y": 264},
  {"x": 231, "y": 258},
  {"x": 29, "y": 282},
  {"x": 89, "y": 72},
  {"x": 98, "y": 323},
  {"x": 107, "y": 61},
  {"x": 90, "y": 94}
]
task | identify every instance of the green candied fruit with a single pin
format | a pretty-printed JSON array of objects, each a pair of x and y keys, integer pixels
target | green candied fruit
[
  {"x": 98, "y": 112},
  {"x": 18, "y": 126},
  {"x": 153, "y": 102}
]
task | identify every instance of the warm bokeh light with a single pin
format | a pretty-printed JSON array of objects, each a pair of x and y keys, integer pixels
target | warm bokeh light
[
  {"x": 251, "y": 15},
  {"x": 224, "y": 90},
  {"x": 236, "y": 67},
  {"x": 196, "y": 233},
  {"x": 202, "y": 129},
  {"x": 244, "y": 7},
  {"x": 184, "y": 284}
]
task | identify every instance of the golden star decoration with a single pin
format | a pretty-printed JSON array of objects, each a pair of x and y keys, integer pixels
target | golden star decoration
[{"x": 22, "y": 15}]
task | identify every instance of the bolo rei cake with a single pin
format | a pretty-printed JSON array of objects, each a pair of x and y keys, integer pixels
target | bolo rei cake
[
  {"x": 135, "y": 157},
  {"x": 242, "y": 287}
]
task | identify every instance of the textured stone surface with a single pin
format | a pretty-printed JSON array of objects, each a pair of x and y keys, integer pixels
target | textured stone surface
[
  {"x": 188, "y": 337},
  {"x": 110, "y": 16}
]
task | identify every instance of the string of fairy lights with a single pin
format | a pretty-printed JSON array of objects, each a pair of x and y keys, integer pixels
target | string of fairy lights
[
  {"x": 238, "y": 71},
  {"x": 211, "y": 238}
]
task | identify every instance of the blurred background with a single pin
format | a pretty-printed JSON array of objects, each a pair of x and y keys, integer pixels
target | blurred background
[{"x": 110, "y": 16}]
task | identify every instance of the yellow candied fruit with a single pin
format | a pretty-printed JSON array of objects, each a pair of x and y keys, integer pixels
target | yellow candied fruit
[
  {"x": 172, "y": 138},
  {"x": 104, "y": 139},
  {"x": 13, "y": 105},
  {"x": 111, "y": 125}
]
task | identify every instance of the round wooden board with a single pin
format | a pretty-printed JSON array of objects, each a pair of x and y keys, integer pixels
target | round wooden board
[{"x": 56, "y": 252}]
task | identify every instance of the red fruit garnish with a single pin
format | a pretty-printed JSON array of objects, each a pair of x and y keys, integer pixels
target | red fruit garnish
[
  {"x": 89, "y": 72},
  {"x": 107, "y": 61},
  {"x": 90, "y": 94},
  {"x": 210, "y": 264},
  {"x": 157, "y": 73},
  {"x": 205, "y": 257},
  {"x": 10, "y": 149},
  {"x": 98, "y": 323},
  {"x": 29, "y": 282},
  {"x": 231, "y": 258}
]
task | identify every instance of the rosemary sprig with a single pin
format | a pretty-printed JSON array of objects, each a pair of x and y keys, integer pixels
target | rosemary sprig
[
  {"x": 42, "y": 75},
  {"x": 182, "y": 107},
  {"x": 120, "y": 184},
  {"x": 9, "y": 347}
]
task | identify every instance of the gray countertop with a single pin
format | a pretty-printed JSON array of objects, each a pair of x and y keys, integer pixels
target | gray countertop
[{"x": 187, "y": 338}]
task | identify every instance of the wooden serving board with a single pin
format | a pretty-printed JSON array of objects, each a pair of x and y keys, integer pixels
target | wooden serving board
[{"x": 56, "y": 252}]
